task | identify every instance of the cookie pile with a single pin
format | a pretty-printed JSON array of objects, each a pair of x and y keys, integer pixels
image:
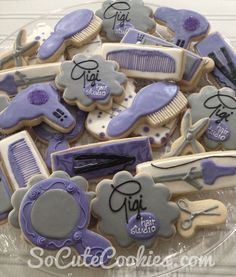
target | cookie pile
[{"x": 111, "y": 74}]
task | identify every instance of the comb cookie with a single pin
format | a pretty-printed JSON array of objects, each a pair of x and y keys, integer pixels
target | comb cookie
[
  {"x": 147, "y": 62},
  {"x": 186, "y": 25},
  {"x": 97, "y": 121},
  {"x": 155, "y": 104},
  {"x": 217, "y": 215},
  {"x": 20, "y": 53},
  {"x": 74, "y": 29},
  {"x": 21, "y": 159},
  {"x": 193, "y": 173},
  {"x": 195, "y": 66}
]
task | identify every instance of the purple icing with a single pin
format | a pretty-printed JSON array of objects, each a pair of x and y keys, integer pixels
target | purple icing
[
  {"x": 103, "y": 159},
  {"x": 186, "y": 24},
  {"x": 148, "y": 100},
  {"x": 144, "y": 227},
  {"x": 211, "y": 171},
  {"x": 100, "y": 91},
  {"x": 217, "y": 48},
  {"x": 79, "y": 237},
  {"x": 8, "y": 85},
  {"x": 191, "y": 24},
  {"x": 38, "y": 97},
  {"x": 28, "y": 106},
  {"x": 68, "y": 26},
  {"x": 192, "y": 60},
  {"x": 218, "y": 131},
  {"x": 149, "y": 60},
  {"x": 121, "y": 29}
]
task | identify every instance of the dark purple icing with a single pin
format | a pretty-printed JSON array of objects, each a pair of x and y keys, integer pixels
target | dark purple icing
[
  {"x": 148, "y": 60},
  {"x": 28, "y": 106},
  {"x": 148, "y": 100},
  {"x": 192, "y": 60},
  {"x": 211, "y": 171},
  {"x": 59, "y": 141},
  {"x": 5, "y": 197},
  {"x": 8, "y": 85},
  {"x": 143, "y": 227},
  {"x": 186, "y": 24},
  {"x": 79, "y": 237},
  {"x": 218, "y": 131},
  {"x": 99, "y": 91},
  {"x": 68, "y": 26},
  {"x": 217, "y": 48},
  {"x": 103, "y": 159},
  {"x": 22, "y": 162},
  {"x": 38, "y": 97}
]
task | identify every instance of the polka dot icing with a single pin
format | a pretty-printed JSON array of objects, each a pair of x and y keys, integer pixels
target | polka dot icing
[
  {"x": 191, "y": 24},
  {"x": 38, "y": 97}
]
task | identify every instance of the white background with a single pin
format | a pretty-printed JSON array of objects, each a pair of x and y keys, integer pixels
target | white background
[{"x": 221, "y": 14}]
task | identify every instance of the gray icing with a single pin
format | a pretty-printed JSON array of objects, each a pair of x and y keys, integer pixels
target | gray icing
[
  {"x": 84, "y": 75},
  {"x": 18, "y": 195},
  {"x": 55, "y": 214},
  {"x": 4, "y": 102},
  {"x": 119, "y": 199},
  {"x": 220, "y": 106},
  {"x": 127, "y": 14}
]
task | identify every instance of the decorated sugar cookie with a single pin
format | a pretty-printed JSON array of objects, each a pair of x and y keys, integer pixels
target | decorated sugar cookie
[
  {"x": 91, "y": 82},
  {"x": 52, "y": 224},
  {"x": 119, "y": 16},
  {"x": 219, "y": 105},
  {"x": 97, "y": 121},
  {"x": 134, "y": 209},
  {"x": 40, "y": 33}
]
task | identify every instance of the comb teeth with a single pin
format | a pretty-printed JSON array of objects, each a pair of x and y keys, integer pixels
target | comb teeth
[
  {"x": 141, "y": 60},
  {"x": 23, "y": 162},
  {"x": 170, "y": 111},
  {"x": 88, "y": 33}
]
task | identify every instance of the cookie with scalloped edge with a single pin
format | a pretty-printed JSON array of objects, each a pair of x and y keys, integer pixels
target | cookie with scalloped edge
[
  {"x": 220, "y": 106},
  {"x": 91, "y": 82}
]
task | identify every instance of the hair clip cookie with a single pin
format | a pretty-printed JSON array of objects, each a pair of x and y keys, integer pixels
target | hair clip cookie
[
  {"x": 199, "y": 214},
  {"x": 36, "y": 104},
  {"x": 188, "y": 142},
  {"x": 21, "y": 159},
  {"x": 103, "y": 159},
  {"x": 57, "y": 141},
  {"x": 217, "y": 48},
  {"x": 22, "y": 50},
  {"x": 219, "y": 106},
  {"x": 134, "y": 209},
  {"x": 52, "y": 224},
  {"x": 97, "y": 121},
  {"x": 195, "y": 66},
  {"x": 91, "y": 82},
  {"x": 16, "y": 79},
  {"x": 155, "y": 104},
  {"x": 75, "y": 28},
  {"x": 186, "y": 174},
  {"x": 186, "y": 25},
  {"x": 119, "y": 16},
  {"x": 147, "y": 62}
]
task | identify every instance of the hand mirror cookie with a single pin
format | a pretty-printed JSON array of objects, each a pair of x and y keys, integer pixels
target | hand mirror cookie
[
  {"x": 91, "y": 82},
  {"x": 134, "y": 209},
  {"x": 119, "y": 16},
  {"x": 52, "y": 224}
]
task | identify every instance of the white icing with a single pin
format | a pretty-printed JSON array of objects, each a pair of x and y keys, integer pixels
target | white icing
[
  {"x": 40, "y": 33},
  {"x": 97, "y": 121}
]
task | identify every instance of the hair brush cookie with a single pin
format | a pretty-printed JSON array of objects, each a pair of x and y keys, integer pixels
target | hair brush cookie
[
  {"x": 97, "y": 121},
  {"x": 75, "y": 28},
  {"x": 52, "y": 224},
  {"x": 36, "y": 104},
  {"x": 219, "y": 105},
  {"x": 155, "y": 104},
  {"x": 119, "y": 16},
  {"x": 91, "y": 82},
  {"x": 134, "y": 209},
  {"x": 186, "y": 25}
]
